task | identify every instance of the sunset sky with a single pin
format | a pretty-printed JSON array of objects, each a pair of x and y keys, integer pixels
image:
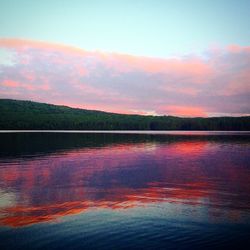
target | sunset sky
[{"x": 184, "y": 58}]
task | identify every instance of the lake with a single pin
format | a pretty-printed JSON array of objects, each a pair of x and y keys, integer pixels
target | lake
[{"x": 125, "y": 190}]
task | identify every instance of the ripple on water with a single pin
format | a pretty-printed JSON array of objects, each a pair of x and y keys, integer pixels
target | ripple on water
[{"x": 121, "y": 191}]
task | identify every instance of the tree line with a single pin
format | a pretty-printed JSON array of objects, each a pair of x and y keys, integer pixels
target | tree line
[{"x": 16, "y": 114}]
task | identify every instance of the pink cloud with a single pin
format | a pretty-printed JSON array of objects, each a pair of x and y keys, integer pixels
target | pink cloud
[
  {"x": 10, "y": 83},
  {"x": 14, "y": 84},
  {"x": 184, "y": 111},
  {"x": 193, "y": 68},
  {"x": 218, "y": 82},
  {"x": 23, "y": 44},
  {"x": 236, "y": 48}
]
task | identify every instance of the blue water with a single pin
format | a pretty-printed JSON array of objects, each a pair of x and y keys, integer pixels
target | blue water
[{"x": 125, "y": 191}]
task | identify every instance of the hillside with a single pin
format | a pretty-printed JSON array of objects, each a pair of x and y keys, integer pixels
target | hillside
[{"x": 16, "y": 114}]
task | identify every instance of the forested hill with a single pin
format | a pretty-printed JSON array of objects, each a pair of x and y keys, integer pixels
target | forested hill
[{"x": 15, "y": 114}]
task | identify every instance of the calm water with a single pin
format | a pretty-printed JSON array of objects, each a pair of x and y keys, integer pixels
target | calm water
[{"x": 124, "y": 191}]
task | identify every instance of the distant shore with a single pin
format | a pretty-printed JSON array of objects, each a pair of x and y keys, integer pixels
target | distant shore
[{"x": 28, "y": 115}]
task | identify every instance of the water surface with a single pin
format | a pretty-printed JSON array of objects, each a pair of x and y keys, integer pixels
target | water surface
[{"x": 125, "y": 190}]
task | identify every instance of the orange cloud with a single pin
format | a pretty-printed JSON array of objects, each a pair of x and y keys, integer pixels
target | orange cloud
[{"x": 184, "y": 111}]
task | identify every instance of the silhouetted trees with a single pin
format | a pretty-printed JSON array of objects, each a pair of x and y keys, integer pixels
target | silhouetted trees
[{"x": 15, "y": 114}]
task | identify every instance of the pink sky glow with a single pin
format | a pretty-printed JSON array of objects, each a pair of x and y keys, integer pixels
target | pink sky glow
[{"x": 214, "y": 83}]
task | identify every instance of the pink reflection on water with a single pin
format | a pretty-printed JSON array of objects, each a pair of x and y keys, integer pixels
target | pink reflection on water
[{"x": 122, "y": 176}]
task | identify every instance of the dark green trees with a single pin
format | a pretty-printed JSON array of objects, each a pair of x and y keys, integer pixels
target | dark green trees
[{"x": 16, "y": 114}]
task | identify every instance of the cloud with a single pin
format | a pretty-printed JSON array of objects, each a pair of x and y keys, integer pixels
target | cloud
[
  {"x": 184, "y": 110},
  {"x": 216, "y": 83}
]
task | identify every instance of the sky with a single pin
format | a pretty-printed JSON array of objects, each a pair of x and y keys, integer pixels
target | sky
[{"x": 160, "y": 57}]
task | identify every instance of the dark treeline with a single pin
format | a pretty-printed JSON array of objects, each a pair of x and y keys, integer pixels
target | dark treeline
[{"x": 15, "y": 114}]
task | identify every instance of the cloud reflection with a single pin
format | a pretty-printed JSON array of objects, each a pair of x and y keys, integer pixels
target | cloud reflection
[{"x": 125, "y": 175}]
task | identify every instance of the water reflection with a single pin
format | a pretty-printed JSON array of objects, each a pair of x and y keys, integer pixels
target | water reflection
[{"x": 44, "y": 177}]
